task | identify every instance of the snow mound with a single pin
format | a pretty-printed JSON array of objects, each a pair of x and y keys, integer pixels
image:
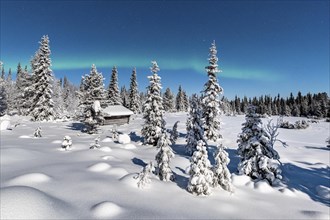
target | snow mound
[
  {"x": 130, "y": 180},
  {"x": 109, "y": 157},
  {"x": 24, "y": 136},
  {"x": 129, "y": 146},
  {"x": 124, "y": 139},
  {"x": 29, "y": 179},
  {"x": 323, "y": 191},
  {"x": 120, "y": 172},
  {"x": 105, "y": 149},
  {"x": 107, "y": 140},
  {"x": 240, "y": 180},
  {"x": 106, "y": 210},
  {"x": 287, "y": 192},
  {"x": 22, "y": 202},
  {"x": 5, "y": 124},
  {"x": 263, "y": 186},
  {"x": 99, "y": 167},
  {"x": 57, "y": 142}
]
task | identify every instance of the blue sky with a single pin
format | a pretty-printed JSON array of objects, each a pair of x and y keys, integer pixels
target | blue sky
[{"x": 264, "y": 47}]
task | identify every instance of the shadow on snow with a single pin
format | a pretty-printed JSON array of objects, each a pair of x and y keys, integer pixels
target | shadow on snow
[{"x": 306, "y": 180}]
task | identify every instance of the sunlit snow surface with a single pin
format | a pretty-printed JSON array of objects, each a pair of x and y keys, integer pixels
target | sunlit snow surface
[{"x": 39, "y": 181}]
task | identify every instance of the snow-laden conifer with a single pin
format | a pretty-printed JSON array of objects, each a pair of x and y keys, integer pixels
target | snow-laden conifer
[
  {"x": 124, "y": 96},
  {"x": 153, "y": 110},
  {"x": 201, "y": 175},
  {"x": 168, "y": 100},
  {"x": 92, "y": 92},
  {"x": 221, "y": 174},
  {"x": 59, "y": 108},
  {"x": 24, "y": 98},
  {"x": 163, "y": 158},
  {"x": 3, "y": 99},
  {"x": 42, "y": 104},
  {"x": 180, "y": 101},
  {"x": 134, "y": 98},
  {"x": 210, "y": 98},
  {"x": 113, "y": 91},
  {"x": 259, "y": 160},
  {"x": 174, "y": 133},
  {"x": 194, "y": 125}
]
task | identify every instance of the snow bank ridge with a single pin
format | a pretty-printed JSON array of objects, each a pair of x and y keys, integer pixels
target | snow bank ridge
[
  {"x": 106, "y": 210},
  {"x": 29, "y": 179},
  {"x": 99, "y": 167}
]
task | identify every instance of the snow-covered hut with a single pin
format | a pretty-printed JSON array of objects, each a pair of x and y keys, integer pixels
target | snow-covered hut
[{"x": 116, "y": 114}]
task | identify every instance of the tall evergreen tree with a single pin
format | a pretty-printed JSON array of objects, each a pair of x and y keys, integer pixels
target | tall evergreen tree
[
  {"x": 9, "y": 76},
  {"x": 3, "y": 73},
  {"x": 168, "y": 100},
  {"x": 210, "y": 98},
  {"x": 194, "y": 125},
  {"x": 92, "y": 90},
  {"x": 180, "y": 102},
  {"x": 113, "y": 91},
  {"x": 42, "y": 103},
  {"x": 153, "y": 109},
  {"x": 185, "y": 101},
  {"x": 26, "y": 95},
  {"x": 134, "y": 98},
  {"x": 124, "y": 96}
]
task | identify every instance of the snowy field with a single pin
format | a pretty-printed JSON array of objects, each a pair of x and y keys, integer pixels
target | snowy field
[{"x": 41, "y": 181}]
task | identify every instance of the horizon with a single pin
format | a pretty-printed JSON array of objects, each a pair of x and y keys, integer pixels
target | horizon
[{"x": 266, "y": 48}]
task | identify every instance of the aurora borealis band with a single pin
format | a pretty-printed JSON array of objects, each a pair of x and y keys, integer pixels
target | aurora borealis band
[{"x": 264, "y": 47}]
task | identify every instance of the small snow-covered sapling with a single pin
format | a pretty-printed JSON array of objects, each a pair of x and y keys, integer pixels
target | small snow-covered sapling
[
  {"x": 96, "y": 144},
  {"x": 114, "y": 133},
  {"x": 67, "y": 142},
  {"x": 144, "y": 175},
  {"x": 37, "y": 132}
]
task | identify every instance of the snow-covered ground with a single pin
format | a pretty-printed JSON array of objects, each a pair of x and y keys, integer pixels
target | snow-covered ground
[{"x": 40, "y": 180}]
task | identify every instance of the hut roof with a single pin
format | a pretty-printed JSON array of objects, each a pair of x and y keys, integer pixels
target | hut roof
[{"x": 116, "y": 110}]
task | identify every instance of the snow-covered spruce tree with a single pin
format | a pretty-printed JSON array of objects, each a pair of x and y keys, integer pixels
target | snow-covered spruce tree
[
  {"x": 59, "y": 108},
  {"x": 3, "y": 99},
  {"x": 221, "y": 174},
  {"x": 185, "y": 101},
  {"x": 113, "y": 91},
  {"x": 42, "y": 104},
  {"x": 134, "y": 98},
  {"x": 163, "y": 157},
  {"x": 174, "y": 133},
  {"x": 210, "y": 98},
  {"x": 124, "y": 96},
  {"x": 10, "y": 92},
  {"x": 194, "y": 125},
  {"x": 180, "y": 101},
  {"x": 259, "y": 160},
  {"x": 2, "y": 72},
  {"x": 201, "y": 175},
  {"x": 168, "y": 100},
  {"x": 153, "y": 110},
  {"x": 92, "y": 91},
  {"x": 24, "y": 98}
]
